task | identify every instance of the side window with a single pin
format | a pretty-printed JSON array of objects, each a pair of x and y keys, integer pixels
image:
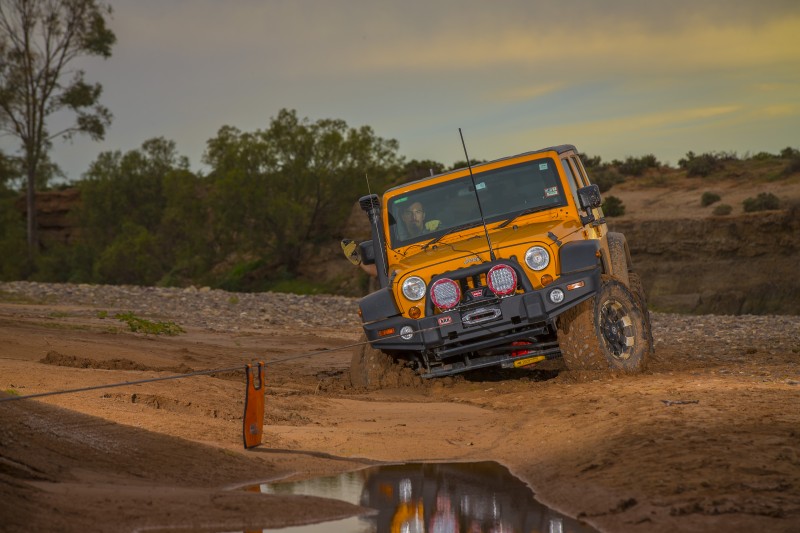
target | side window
[
  {"x": 580, "y": 171},
  {"x": 573, "y": 185}
]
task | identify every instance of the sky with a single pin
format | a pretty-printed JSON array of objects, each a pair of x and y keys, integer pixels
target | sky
[{"x": 616, "y": 78}]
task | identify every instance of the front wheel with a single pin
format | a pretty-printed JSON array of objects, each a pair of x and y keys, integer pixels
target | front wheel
[{"x": 606, "y": 332}]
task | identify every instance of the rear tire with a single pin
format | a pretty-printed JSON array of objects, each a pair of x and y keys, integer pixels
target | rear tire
[{"x": 606, "y": 332}]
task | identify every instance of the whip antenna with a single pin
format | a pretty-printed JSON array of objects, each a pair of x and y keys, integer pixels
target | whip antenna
[{"x": 478, "y": 198}]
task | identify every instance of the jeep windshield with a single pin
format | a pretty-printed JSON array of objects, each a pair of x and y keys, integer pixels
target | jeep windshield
[{"x": 429, "y": 213}]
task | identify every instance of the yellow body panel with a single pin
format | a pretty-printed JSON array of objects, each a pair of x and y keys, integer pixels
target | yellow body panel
[{"x": 463, "y": 248}]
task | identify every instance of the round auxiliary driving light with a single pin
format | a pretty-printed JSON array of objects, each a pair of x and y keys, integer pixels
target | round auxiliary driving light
[
  {"x": 414, "y": 288},
  {"x": 556, "y": 296},
  {"x": 406, "y": 332},
  {"x": 502, "y": 280},
  {"x": 537, "y": 258},
  {"x": 445, "y": 293}
]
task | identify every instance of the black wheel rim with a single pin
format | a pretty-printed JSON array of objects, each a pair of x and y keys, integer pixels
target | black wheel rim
[{"x": 616, "y": 328}]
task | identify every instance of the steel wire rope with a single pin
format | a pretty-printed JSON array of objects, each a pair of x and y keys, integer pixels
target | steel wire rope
[{"x": 200, "y": 372}]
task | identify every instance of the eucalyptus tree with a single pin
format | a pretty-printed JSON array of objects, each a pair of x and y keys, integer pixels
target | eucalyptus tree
[
  {"x": 278, "y": 192},
  {"x": 40, "y": 41}
]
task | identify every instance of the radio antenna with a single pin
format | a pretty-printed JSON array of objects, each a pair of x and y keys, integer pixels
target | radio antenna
[
  {"x": 477, "y": 197},
  {"x": 366, "y": 177}
]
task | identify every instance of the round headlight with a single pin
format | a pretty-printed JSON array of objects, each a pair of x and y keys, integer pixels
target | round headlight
[
  {"x": 406, "y": 332},
  {"x": 537, "y": 258},
  {"x": 502, "y": 280},
  {"x": 445, "y": 293},
  {"x": 414, "y": 288}
]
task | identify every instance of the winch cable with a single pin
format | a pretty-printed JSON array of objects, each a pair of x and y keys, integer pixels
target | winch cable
[{"x": 239, "y": 368}]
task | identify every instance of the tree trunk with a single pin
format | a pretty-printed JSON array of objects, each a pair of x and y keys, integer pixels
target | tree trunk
[{"x": 33, "y": 242}]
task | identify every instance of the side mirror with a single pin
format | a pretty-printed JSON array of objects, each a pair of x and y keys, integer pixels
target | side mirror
[
  {"x": 362, "y": 253},
  {"x": 589, "y": 197},
  {"x": 367, "y": 252}
]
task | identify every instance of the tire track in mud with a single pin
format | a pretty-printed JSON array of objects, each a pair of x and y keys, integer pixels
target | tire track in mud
[{"x": 56, "y": 358}]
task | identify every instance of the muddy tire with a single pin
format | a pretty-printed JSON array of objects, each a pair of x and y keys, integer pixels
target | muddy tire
[
  {"x": 606, "y": 332},
  {"x": 619, "y": 258},
  {"x": 637, "y": 288},
  {"x": 372, "y": 369}
]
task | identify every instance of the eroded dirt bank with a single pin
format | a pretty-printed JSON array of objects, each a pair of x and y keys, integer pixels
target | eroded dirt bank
[
  {"x": 744, "y": 264},
  {"x": 707, "y": 440}
]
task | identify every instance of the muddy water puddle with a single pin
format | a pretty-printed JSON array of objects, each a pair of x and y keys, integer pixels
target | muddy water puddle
[{"x": 431, "y": 497}]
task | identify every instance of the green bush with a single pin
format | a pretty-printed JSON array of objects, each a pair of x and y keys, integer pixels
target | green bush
[
  {"x": 792, "y": 166},
  {"x": 636, "y": 166},
  {"x": 763, "y": 156},
  {"x": 606, "y": 178},
  {"x": 763, "y": 202},
  {"x": 613, "y": 207},
  {"x": 709, "y": 198},
  {"x": 13, "y": 240},
  {"x": 790, "y": 153},
  {"x": 700, "y": 165},
  {"x": 246, "y": 276},
  {"x": 131, "y": 258},
  {"x": 722, "y": 210}
]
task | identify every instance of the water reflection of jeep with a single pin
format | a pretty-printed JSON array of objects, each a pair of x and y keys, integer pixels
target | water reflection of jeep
[
  {"x": 456, "y": 497},
  {"x": 507, "y": 263}
]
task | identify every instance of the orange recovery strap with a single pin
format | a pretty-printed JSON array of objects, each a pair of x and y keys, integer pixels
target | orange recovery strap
[{"x": 253, "y": 425}]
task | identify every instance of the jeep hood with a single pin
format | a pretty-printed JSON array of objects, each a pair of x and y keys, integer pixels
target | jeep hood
[{"x": 451, "y": 252}]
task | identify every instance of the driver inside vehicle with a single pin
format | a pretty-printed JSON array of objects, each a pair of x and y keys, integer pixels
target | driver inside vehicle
[{"x": 415, "y": 223}]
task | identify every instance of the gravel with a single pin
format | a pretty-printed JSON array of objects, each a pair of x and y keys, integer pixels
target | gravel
[
  {"x": 220, "y": 310},
  {"x": 203, "y": 307}
]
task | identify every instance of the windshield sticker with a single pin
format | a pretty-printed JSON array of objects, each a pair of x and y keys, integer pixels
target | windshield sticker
[
  {"x": 401, "y": 200},
  {"x": 480, "y": 186},
  {"x": 542, "y": 166},
  {"x": 550, "y": 191}
]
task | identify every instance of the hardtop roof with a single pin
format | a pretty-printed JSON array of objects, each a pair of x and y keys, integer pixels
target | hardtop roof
[{"x": 559, "y": 149}]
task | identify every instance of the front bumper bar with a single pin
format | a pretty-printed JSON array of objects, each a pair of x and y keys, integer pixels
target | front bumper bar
[{"x": 520, "y": 316}]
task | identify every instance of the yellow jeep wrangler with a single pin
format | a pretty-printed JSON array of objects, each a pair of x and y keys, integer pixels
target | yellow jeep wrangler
[{"x": 506, "y": 263}]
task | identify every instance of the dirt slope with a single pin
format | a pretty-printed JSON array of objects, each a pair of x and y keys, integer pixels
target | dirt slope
[
  {"x": 707, "y": 440},
  {"x": 692, "y": 261}
]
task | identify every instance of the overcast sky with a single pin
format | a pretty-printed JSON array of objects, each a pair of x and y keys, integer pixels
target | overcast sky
[{"x": 614, "y": 77}]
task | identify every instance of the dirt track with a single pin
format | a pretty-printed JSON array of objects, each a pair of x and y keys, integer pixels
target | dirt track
[{"x": 707, "y": 440}]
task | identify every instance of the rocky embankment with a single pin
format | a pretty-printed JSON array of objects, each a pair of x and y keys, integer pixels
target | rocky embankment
[
  {"x": 204, "y": 308},
  {"x": 745, "y": 264}
]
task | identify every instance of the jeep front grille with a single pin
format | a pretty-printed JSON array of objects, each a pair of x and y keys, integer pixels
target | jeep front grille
[{"x": 473, "y": 279}]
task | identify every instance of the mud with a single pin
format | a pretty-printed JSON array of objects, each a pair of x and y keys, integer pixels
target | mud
[
  {"x": 706, "y": 440},
  {"x": 59, "y": 359}
]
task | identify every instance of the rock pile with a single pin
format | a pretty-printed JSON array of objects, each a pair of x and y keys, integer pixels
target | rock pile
[{"x": 194, "y": 307}]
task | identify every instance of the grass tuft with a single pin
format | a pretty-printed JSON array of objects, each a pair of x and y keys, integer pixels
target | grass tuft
[{"x": 148, "y": 327}]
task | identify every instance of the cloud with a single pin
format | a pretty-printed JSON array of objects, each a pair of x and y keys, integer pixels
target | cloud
[
  {"x": 307, "y": 38},
  {"x": 623, "y": 126},
  {"x": 523, "y": 93},
  {"x": 570, "y": 52},
  {"x": 780, "y": 110}
]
